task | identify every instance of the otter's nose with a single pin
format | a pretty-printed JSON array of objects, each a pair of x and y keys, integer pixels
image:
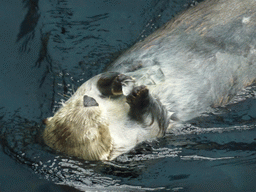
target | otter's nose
[{"x": 89, "y": 101}]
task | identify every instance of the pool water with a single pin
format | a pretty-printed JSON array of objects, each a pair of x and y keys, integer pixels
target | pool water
[{"x": 50, "y": 47}]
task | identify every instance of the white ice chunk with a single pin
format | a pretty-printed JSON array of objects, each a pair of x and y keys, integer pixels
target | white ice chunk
[{"x": 127, "y": 86}]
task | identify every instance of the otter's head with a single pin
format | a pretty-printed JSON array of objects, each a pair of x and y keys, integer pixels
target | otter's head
[
  {"x": 91, "y": 123},
  {"x": 79, "y": 129}
]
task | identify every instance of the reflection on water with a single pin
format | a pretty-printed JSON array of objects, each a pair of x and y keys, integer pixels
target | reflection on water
[{"x": 62, "y": 43}]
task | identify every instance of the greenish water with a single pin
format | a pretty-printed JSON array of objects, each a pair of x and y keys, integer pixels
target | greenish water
[{"x": 49, "y": 48}]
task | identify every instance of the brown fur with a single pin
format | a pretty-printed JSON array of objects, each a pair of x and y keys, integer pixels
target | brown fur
[{"x": 68, "y": 132}]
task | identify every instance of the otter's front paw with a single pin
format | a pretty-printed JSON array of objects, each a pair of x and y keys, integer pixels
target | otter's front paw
[
  {"x": 139, "y": 97},
  {"x": 110, "y": 83}
]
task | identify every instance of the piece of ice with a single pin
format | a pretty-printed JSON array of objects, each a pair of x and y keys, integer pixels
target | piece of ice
[{"x": 127, "y": 86}]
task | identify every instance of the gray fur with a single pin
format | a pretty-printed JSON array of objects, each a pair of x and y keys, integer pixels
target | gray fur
[{"x": 206, "y": 54}]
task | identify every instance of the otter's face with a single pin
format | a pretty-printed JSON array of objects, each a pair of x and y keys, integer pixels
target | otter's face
[
  {"x": 103, "y": 115},
  {"x": 81, "y": 126}
]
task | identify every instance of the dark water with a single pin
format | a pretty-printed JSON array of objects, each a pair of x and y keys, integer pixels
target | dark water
[{"x": 49, "y": 48}]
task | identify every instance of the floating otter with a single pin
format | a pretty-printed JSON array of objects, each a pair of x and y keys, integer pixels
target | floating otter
[{"x": 195, "y": 62}]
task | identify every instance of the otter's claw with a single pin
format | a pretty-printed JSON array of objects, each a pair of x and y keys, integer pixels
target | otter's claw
[
  {"x": 111, "y": 83},
  {"x": 118, "y": 82},
  {"x": 139, "y": 97}
]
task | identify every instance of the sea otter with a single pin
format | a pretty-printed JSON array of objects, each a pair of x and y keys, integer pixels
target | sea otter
[{"x": 195, "y": 62}]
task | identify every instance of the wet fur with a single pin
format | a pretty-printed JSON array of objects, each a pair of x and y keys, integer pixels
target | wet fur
[
  {"x": 206, "y": 55},
  {"x": 109, "y": 129},
  {"x": 195, "y": 62}
]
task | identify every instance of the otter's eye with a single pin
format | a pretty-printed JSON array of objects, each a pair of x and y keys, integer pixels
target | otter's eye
[{"x": 89, "y": 101}]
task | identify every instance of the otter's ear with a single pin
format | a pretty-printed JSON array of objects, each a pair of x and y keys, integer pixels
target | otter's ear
[{"x": 89, "y": 101}]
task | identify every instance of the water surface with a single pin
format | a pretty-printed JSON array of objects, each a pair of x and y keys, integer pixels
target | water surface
[{"x": 50, "y": 47}]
